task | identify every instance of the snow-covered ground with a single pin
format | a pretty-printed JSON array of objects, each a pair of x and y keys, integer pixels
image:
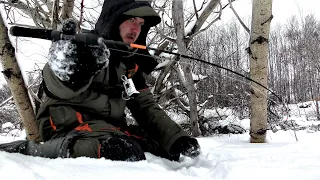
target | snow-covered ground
[{"x": 222, "y": 157}]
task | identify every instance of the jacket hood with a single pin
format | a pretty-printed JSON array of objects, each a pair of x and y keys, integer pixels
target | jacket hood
[
  {"x": 110, "y": 19},
  {"x": 108, "y": 22}
]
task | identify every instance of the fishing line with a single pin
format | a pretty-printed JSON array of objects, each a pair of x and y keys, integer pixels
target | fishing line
[
  {"x": 94, "y": 39},
  {"x": 215, "y": 65},
  {"x": 212, "y": 64}
]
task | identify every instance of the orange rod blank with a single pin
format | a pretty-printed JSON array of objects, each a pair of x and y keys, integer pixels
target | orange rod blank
[{"x": 138, "y": 46}]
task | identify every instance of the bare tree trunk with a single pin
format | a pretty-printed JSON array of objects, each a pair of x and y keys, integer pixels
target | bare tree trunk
[
  {"x": 12, "y": 74},
  {"x": 260, "y": 27},
  {"x": 55, "y": 14},
  {"x": 66, "y": 12},
  {"x": 317, "y": 101},
  {"x": 180, "y": 20},
  {"x": 189, "y": 84},
  {"x": 67, "y": 9}
]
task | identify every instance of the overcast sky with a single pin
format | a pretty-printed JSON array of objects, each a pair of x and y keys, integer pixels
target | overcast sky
[{"x": 281, "y": 9}]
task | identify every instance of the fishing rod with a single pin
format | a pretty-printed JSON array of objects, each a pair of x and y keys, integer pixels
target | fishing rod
[{"x": 93, "y": 39}]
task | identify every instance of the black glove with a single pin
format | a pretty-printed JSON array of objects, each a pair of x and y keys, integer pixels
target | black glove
[
  {"x": 186, "y": 146},
  {"x": 75, "y": 63}
]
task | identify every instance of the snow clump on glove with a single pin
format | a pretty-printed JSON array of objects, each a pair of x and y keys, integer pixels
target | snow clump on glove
[{"x": 75, "y": 63}]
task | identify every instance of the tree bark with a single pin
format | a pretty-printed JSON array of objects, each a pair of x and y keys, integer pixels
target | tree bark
[
  {"x": 204, "y": 16},
  {"x": 260, "y": 27},
  {"x": 317, "y": 101},
  {"x": 67, "y": 9},
  {"x": 14, "y": 78},
  {"x": 188, "y": 81},
  {"x": 55, "y": 14}
]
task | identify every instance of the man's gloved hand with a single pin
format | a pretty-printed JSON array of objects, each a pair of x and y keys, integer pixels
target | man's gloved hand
[
  {"x": 75, "y": 63},
  {"x": 186, "y": 146}
]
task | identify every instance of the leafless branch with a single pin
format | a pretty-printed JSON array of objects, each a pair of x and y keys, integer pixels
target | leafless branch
[
  {"x": 179, "y": 102},
  {"x": 205, "y": 103},
  {"x": 164, "y": 36},
  {"x": 163, "y": 74},
  {"x": 195, "y": 9},
  {"x": 161, "y": 47},
  {"x": 81, "y": 15},
  {"x": 30, "y": 11},
  {"x": 209, "y": 25},
  {"x": 29, "y": 89},
  {"x": 37, "y": 4},
  {"x": 6, "y": 101},
  {"x": 236, "y": 14},
  {"x": 204, "y": 16},
  {"x": 55, "y": 14},
  {"x": 202, "y": 5},
  {"x": 48, "y": 3}
]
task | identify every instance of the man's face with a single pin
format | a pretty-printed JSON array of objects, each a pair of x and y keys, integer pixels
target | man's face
[{"x": 130, "y": 29}]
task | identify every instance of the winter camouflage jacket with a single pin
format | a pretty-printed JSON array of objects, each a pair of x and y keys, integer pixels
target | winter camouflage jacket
[{"x": 100, "y": 99}]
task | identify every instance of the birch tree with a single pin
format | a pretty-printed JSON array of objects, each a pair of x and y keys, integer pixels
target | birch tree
[
  {"x": 260, "y": 27},
  {"x": 13, "y": 76}
]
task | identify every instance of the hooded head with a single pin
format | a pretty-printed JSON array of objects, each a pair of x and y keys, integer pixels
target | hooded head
[{"x": 115, "y": 12}]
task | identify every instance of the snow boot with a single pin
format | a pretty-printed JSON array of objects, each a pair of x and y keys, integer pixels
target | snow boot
[
  {"x": 121, "y": 148},
  {"x": 50, "y": 149},
  {"x": 15, "y": 147}
]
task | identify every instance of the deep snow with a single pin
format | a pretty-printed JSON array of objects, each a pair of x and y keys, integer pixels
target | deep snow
[{"x": 222, "y": 157}]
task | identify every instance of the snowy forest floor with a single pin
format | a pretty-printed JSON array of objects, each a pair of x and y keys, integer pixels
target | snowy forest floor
[{"x": 223, "y": 157}]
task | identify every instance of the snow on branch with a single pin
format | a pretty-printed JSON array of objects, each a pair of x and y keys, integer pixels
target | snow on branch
[
  {"x": 209, "y": 25},
  {"x": 203, "y": 17}
]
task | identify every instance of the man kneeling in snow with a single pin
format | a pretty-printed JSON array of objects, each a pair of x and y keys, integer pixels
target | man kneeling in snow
[{"x": 83, "y": 113}]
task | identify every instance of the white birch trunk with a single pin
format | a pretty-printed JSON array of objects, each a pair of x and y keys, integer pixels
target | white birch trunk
[
  {"x": 13, "y": 76},
  {"x": 260, "y": 27}
]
